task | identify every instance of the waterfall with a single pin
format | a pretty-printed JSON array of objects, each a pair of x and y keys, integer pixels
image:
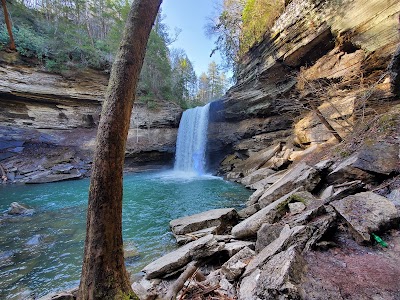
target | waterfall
[{"x": 192, "y": 140}]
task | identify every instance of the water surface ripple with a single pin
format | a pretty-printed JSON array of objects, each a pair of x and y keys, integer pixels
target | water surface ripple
[{"x": 43, "y": 252}]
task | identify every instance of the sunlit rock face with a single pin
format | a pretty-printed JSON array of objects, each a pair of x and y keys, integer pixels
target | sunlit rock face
[
  {"x": 44, "y": 116},
  {"x": 336, "y": 54}
]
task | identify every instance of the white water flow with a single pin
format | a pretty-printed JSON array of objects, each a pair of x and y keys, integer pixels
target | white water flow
[{"x": 192, "y": 140}]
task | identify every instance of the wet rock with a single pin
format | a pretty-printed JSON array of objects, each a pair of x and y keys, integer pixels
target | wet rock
[
  {"x": 219, "y": 219},
  {"x": 267, "y": 234},
  {"x": 49, "y": 177},
  {"x": 63, "y": 296},
  {"x": 35, "y": 240},
  {"x": 130, "y": 249},
  {"x": 192, "y": 236},
  {"x": 235, "y": 266},
  {"x": 249, "y": 227},
  {"x": 172, "y": 261},
  {"x": 300, "y": 175},
  {"x": 367, "y": 213},
  {"x": 19, "y": 209}
]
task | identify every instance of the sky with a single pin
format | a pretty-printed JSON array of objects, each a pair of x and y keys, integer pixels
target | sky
[{"x": 191, "y": 17}]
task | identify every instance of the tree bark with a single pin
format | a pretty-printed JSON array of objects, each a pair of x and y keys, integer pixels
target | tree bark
[
  {"x": 8, "y": 24},
  {"x": 104, "y": 274}
]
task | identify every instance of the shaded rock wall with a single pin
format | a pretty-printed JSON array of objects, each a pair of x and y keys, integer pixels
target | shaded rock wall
[{"x": 41, "y": 111}]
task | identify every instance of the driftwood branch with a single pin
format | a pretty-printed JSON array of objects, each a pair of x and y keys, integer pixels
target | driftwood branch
[{"x": 180, "y": 282}]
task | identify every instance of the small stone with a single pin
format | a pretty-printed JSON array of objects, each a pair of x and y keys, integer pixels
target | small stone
[
  {"x": 296, "y": 207},
  {"x": 19, "y": 209}
]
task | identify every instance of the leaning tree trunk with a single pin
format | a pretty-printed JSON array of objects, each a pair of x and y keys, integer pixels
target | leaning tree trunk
[
  {"x": 8, "y": 24},
  {"x": 103, "y": 272}
]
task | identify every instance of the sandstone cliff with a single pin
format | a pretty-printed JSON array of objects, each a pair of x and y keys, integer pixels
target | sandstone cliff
[
  {"x": 337, "y": 55},
  {"x": 48, "y": 124}
]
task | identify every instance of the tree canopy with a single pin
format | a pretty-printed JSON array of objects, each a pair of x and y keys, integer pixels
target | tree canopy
[
  {"x": 64, "y": 34},
  {"x": 239, "y": 24}
]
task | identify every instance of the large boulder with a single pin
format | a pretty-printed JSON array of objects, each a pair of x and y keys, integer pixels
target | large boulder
[
  {"x": 235, "y": 266},
  {"x": 218, "y": 220},
  {"x": 379, "y": 157},
  {"x": 249, "y": 227},
  {"x": 257, "y": 176},
  {"x": 277, "y": 279},
  {"x": 347, "y": 170},
  {"x": 367, "y": 213},
  {"x": 267, "y": 234},
  {"x": 255, "y": 161},
  {"x": 300, "y": 175},
  {"x": 287, "y": 238},
  {"x": 203, "y": 247}
]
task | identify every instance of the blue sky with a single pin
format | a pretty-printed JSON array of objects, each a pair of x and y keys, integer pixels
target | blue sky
[{"x": 191, "y": 16}]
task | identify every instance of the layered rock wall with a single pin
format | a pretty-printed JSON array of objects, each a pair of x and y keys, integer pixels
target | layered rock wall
[
  {"x": 338, "y": 55},
  {"x": 45, "y": 115}
]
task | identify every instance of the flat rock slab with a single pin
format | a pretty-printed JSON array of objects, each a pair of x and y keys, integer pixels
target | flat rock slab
[
  {"x": 257, "y": 176},
  {"x": 367, "y": 213},
  {"x": 222, "y": 219},
  {"x": 249, "y": 227},
  {"x": 300, "y": 175},
  {"x": 255, "y": 161},
  {"x": 47, "y": 178},
  {"x": 172, "y": 261},
  {"x": 380, "y": 157}
]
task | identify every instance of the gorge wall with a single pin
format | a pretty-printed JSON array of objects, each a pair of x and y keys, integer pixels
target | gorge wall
[
  {"x": 338, "y": 55},
  {"x": 48, "y": 123}
]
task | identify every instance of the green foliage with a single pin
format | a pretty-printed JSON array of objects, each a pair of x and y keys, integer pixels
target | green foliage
[
  {"x": 258, "y": 16},
  {"x": 226, "y": 27},
  {"x": 79, "y": 34}
]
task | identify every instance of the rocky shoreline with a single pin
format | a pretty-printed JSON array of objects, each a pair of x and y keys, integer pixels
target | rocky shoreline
[
  {"x": 332, "y": 209},
  {"x": 320, "y": 225}
]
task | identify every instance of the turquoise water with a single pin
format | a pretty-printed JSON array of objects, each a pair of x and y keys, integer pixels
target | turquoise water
[{"x": 43, "y": 252}]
